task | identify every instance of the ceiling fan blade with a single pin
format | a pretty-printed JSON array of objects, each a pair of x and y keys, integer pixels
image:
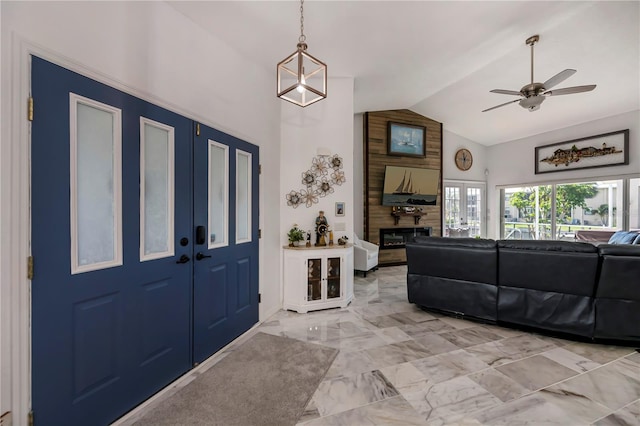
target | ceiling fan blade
[
  {"x": 501, "y": 105},
  {"x": 506, "y": 92},
  {"x": 558, "y": 78},
  {"x": 570, "y": 90}
]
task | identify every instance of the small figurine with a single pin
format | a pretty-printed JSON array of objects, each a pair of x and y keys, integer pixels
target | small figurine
[
  {"x": 321, "y": 228},
  {"x": 308, "y": 238}
]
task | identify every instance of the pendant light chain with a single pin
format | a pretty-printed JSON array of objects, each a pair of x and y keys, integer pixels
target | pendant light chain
[{"x": 302, "y": 37}]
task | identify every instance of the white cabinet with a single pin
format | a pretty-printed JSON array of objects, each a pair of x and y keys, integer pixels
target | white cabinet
[{"x": 318, "y": 277}]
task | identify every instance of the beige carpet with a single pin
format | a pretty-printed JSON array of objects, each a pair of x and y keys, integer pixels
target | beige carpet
[{"x": 268, "y": 380}]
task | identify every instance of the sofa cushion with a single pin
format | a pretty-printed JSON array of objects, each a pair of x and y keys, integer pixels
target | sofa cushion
[
  {"x": 475, "y": 261},
  {"x": 637, "y": 240},
  {"x": 456, "y": 242},
  {"x": 563, "y": 246},
  {"x": 620, "y": 272},
  {"x": 624, "y": 237},
  {"x": 553, "y": 266}
]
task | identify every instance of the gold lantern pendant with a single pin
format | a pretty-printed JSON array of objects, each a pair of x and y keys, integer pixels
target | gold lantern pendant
[{"x": 302, "y": 79}]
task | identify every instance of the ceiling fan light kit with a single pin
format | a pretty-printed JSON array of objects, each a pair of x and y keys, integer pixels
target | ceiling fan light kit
[{"x": 533, "y": 94}]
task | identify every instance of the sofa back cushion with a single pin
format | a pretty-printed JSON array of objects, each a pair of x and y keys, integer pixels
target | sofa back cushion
[
  {"x": 624, "y": 237},
  {"x": 553, "y": 266},
  {"x": 467, "y": 259},
  {"x": 460, "y": 242},
  {"x": 554, "y": 246},
  {"x": 620, "y": 273}
]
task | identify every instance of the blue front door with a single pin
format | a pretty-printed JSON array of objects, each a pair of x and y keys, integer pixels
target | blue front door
[
  {"x": 115, "y": 293},
  {"x": 226, "y": 255}
]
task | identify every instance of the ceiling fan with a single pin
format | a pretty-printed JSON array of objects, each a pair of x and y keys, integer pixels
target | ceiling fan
[{"x": 532, "y": 95}]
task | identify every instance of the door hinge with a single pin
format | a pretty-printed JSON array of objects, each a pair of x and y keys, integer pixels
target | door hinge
[
  {"x": 30, "y": 267},
  {"x": 259, "y": 233},
  {"x": 259, "y": 169},
  {"x": 30, "y": 108},
  {"x": 197, "y": 129},
  {"x": 30, "y": 418},
  {"x": 259, "y": 297},
  {"x": 6, "y": 419}
]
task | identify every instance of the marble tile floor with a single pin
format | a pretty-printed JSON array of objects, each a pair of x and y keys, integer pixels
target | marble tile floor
[{"x": 399, "y": 365}]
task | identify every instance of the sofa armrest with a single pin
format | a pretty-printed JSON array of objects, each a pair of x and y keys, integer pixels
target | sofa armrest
[{"x": 619, "y": 249}]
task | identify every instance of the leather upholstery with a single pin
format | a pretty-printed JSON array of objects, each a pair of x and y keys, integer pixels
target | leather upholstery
[
  {"x": 618, "y": 294},
  {"x": 454, "y": 275},
  {"x": 548, "y": 270},
  {"x": 562, "y": 286},
  {"x": 562, "y": 246}
]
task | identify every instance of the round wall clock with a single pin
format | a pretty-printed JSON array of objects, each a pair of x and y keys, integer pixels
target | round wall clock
[{"x": 464, "y": 159}]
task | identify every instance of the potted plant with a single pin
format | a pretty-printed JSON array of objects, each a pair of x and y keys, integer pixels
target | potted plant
[{"x": 295, "y": 235}]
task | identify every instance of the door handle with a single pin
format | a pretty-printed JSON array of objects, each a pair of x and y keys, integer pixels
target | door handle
[
  {"x": 183, "y": 259},
  {"x": 201, "y": 256}
]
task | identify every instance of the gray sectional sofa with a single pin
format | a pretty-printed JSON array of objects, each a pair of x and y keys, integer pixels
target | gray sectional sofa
[{"x": 568, "y": 287}]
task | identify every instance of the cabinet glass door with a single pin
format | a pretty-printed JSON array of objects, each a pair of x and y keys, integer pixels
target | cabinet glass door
[
  {"x": 333, "y": 277},
  {"x": 314, "y": 279}
]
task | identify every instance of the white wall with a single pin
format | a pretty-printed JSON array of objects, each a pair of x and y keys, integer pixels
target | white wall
[
  {"x": 512, "y": 163},
  {"x": 149, "y": 50},
  {"x": 327, "y": 124},
  {"x": 451, "y": 143},
  {"x": 358, "y": 175}
]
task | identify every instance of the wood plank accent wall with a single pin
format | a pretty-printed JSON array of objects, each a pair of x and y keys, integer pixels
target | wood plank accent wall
[{"x": 377, "y": 216}]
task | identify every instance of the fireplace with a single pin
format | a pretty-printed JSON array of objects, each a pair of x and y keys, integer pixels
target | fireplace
[{"x": 395, "y": 238}]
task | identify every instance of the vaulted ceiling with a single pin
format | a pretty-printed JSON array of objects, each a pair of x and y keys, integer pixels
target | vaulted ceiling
[{"x": 441, "y": 59}]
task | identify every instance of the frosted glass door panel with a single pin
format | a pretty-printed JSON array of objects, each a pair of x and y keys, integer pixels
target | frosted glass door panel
[
  {"x": 243, "y": 197},
  {"x": 218, "y": 194},
  {"x": 156, "y": 190},
  {"x": 96, "y": 234}
]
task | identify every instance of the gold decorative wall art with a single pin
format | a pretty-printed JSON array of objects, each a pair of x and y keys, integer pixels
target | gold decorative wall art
[{"x": 609, "y": 149}]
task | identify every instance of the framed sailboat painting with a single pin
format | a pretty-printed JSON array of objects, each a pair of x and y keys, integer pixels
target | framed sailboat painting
[
  {"x": 410, "y": 186},
  {"x": 406, "y": 140}
]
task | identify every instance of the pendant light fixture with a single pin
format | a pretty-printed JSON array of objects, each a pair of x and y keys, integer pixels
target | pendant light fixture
[{"x": 302, "y": 79}]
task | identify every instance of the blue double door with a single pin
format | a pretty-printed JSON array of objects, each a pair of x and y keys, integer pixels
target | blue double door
[{"x": 144, "y": 242}]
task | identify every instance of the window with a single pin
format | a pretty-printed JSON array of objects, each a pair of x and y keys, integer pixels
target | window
[
  {"x": 95, "y": 185},
  {"x": 561, "y": 211},
  {"x": 218, "y": 195},
  {"x": 156, "y": 190}
]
